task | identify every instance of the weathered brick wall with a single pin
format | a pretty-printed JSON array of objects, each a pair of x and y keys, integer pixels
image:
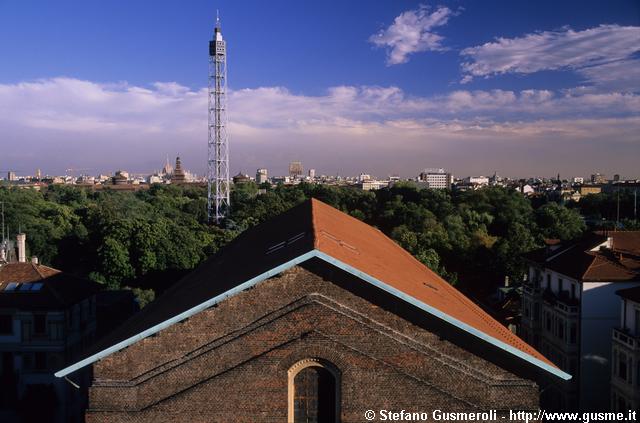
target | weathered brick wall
[{"x": 229, "y": 363}]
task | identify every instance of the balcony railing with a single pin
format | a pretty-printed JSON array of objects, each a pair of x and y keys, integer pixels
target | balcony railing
[
  {"x": 566, "y": 308},
  {"x": 626, "y": 338},
  {"x": 562, "y": 303}
]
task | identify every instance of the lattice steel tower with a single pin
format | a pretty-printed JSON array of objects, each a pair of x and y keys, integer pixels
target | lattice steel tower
[{"x": 218, "y": 159}]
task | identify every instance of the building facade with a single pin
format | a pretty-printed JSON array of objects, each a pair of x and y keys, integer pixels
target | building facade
[
  {"x": 477, "y": 180},
  {"x": 312, "y": 316},
  {"x": 296, "y": 170},
  {"x": 570, "y": 307},
  {"x": 436, "y": 178},
  {"x": 598, "y": 178},
  {"x": 625, "y": 353},
  {"x": 46, "y": 319},
  {"x": 262, "y": 176}
]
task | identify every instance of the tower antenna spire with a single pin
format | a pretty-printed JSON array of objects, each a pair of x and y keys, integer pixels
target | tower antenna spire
[{"x": 218, "y": 183}]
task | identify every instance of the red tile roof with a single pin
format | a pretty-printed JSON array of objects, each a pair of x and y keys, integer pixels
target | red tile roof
[
  {"x": 58, "y": 290},
  {"x": 621, "y": 263},
  {"x": 370, "y": 251},
  {"x": 25, "y": 272}
]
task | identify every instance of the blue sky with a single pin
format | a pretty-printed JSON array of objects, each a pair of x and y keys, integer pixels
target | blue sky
[{"x": 345, "y": 86}]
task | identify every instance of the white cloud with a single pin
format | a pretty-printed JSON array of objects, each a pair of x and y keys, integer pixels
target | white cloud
[
  {"x": 64, "y": 123},
  {"x": 590, "y": 51},
  {"x": 412, "y": 32},
  {"x": 621, "y": 75}
]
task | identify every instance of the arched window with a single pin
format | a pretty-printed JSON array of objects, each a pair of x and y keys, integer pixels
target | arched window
[{"x": 314, "y": 387}]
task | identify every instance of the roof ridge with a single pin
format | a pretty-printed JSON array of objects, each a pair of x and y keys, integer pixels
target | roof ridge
[
  {"x": 450, "y": 289},
  {"x": 314, "y": 226},
  {"x": 35, "y": 267},
  {"x": 49, "y": 286},
  {"x": 593, "y": 260},
  {"x": 379, "y": 260}
]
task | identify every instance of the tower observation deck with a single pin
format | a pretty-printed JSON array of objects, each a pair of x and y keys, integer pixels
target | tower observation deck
[{"x": 218, "y": 186}]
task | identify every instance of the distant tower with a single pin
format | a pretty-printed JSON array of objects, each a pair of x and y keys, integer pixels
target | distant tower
[
  {"x": 218, "y": 161},
  {"x": 178, "y": 176},
  {"x": 167, "y": 169},
  {"x": 296, "y": 169},
  {"x": 262, "y": 176}
]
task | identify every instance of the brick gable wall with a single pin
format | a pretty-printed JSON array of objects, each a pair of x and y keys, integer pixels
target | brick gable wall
[{"x": 230, "y": 363}]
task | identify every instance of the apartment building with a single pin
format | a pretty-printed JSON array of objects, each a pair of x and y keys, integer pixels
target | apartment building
[
  {"x": 625, "y": 353},
  {"x": 46, "y": 318},
  {"x": 570, "y": 307}
]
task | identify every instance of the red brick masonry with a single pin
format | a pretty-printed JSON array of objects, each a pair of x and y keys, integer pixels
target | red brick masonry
[{"x": 229, "y": 363}]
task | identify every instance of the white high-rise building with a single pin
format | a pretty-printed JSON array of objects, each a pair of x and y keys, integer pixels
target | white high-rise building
[{"x": 436, "y": 178}]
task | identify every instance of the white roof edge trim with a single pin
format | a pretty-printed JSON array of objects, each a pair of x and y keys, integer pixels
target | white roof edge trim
[
  {"x": 185, "y": 314},
  {"x": 302, "y": 258},
  {"x": 449, "y": 319}
]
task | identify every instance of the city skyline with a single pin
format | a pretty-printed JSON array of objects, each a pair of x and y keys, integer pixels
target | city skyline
[{"x": 384, "y": 88}]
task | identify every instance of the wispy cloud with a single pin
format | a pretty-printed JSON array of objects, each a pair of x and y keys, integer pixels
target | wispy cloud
[
  {"x": 620, "y": 75},
  {"x": 412, "y": 32},
  {"x": 66, "y": 122},
  {"x": 589, "y": 51}
]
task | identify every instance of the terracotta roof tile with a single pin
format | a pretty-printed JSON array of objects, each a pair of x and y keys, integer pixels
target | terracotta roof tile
[
  {"x": 59, "y": 289},
  {"x": 576, "y": 260},
  {"x": 370, "y": 251}
]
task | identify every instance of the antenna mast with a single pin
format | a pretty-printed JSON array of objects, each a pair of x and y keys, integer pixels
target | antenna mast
[{"x": 218, "y": 202}]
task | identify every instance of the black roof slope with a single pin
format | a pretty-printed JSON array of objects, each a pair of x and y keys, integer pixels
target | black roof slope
[{"x": 255, "y": 251}]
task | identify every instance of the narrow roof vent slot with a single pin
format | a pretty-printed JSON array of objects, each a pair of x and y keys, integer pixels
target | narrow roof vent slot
[
  {"x": 276, "y": 247},
  {"x": 339, "y": 242},
  {"x": 295, "y": 238},
  {"x": 428, "y": 285},
  {"x": 282, "y": 244}
]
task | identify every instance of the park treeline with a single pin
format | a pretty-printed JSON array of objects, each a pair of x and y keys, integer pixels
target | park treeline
[{"x": 148, "y": 239}]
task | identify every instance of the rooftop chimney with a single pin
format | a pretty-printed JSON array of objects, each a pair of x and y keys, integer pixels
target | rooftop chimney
[
  {"x": 34, "y": 260},
  {"x": 610, "y": 242},
  {"x": 22, "y": 249}
]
